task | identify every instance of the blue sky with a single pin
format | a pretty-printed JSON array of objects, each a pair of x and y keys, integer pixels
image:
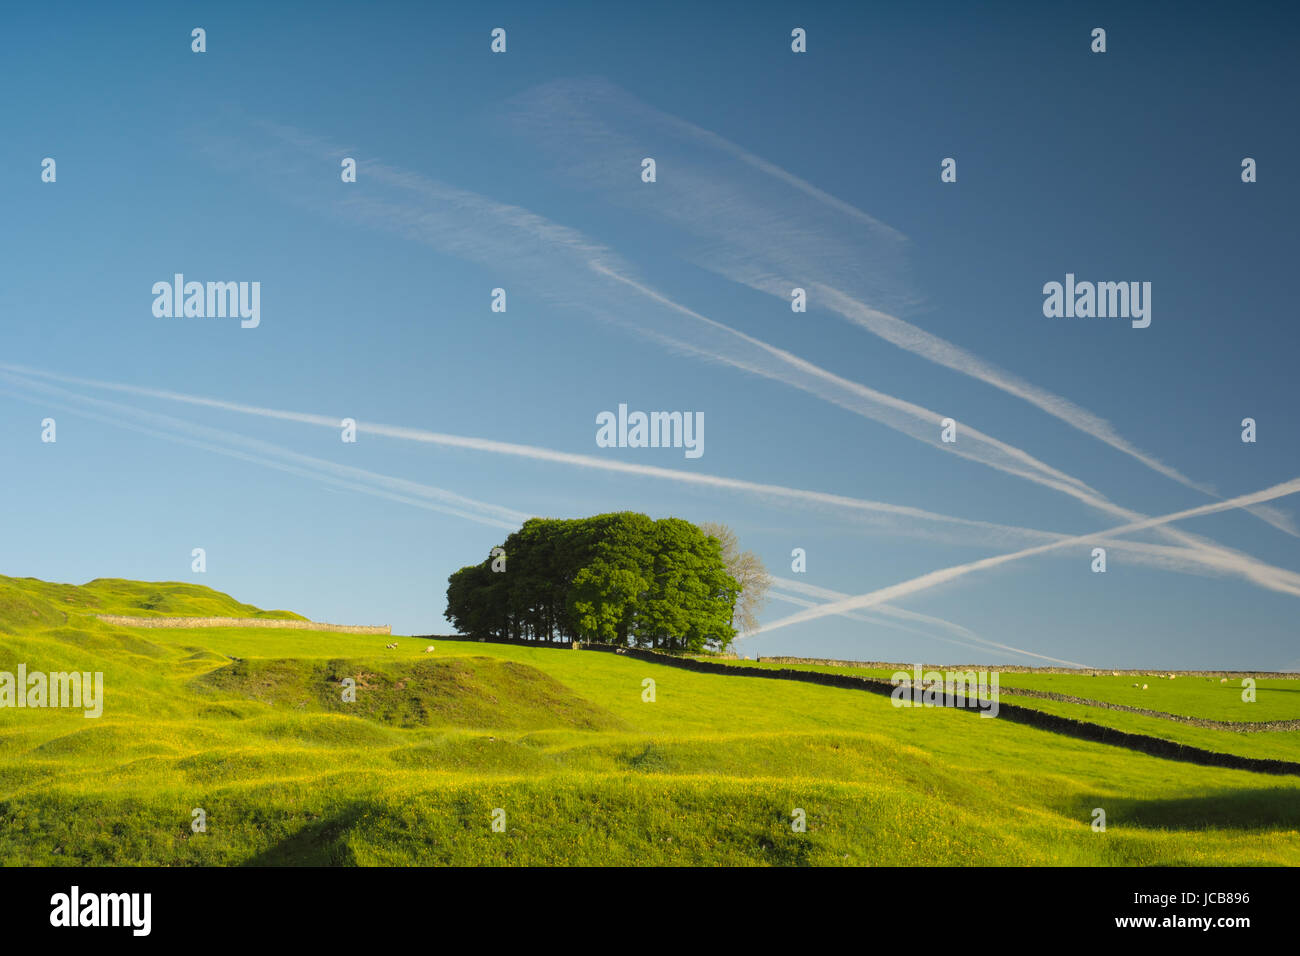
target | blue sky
[{"x": 522, "y": 171}]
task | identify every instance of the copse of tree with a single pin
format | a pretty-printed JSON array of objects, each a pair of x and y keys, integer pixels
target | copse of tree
[{"x": 619, "y": 578}]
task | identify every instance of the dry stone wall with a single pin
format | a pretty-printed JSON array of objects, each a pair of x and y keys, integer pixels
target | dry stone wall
[{"x": 242, "y": 622}]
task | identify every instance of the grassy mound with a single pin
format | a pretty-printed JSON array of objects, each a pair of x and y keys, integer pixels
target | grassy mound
[
  {"x": 27, "y": 603},
  {"x": 477, "y": 692}
]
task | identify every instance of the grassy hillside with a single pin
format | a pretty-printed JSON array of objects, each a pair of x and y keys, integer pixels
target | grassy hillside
[
  {"x": 26, "y": 602},
  {"x": 250, "y": 725}
]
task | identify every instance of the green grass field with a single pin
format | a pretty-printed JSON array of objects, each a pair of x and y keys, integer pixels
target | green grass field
[
  {"x": 1190, "y": 696},
  {"x": 585, "y": 771}
]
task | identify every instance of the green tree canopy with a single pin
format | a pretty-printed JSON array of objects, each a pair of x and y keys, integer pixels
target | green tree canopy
[{"x": 620, "y": 578}]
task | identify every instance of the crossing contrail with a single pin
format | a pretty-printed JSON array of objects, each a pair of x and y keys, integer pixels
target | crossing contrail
[
  {"x": 762, "y": 238},
  {"x": 1213, "y": 558},
  {"x": 416, "y": 494},
  {"x": 965, "y": 633},
  {"x": 943, "y": 576}
]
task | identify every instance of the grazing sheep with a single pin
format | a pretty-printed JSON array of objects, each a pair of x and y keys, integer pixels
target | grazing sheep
[
  {"x": 1172, "y": 676},
  {"x": 1144, "y": 686},
  {"x": 1135, "y": 685},
  {"x": 429, "y": 649},
  {"x": 1114, "y": 673},
  {"x": 1223, "y": 680}
]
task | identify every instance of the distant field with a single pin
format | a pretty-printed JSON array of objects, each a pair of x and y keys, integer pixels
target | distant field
[
  {"x": 1190, "y": 696},
  {"x": 585, "y": 771}
]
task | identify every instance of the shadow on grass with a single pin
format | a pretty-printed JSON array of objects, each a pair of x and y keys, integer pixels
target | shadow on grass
[
  {"x": 317, "y": 844},
  {"x": 1263, "y": 808}
]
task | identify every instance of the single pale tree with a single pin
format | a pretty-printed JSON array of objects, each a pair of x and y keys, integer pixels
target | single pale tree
[{"x": 748, "y": 570}]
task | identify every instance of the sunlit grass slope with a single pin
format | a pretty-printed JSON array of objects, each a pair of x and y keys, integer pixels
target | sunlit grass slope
[
  {"x": 250, "y": 726},
  {"x": 27, "y": 602}
]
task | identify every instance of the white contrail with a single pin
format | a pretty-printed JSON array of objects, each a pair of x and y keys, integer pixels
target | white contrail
[
  {"x": 470, "y": 226},
  {"x": 941, "y": 352},
  {"x": 866, "y": 619},
  {"x": 964, "y": 632},
  {"x": 449, "y": 502},
  {"x": 517, "y": 517},
  {"x": 814, "y": 590},
  {"x": 278, "y": 466},
  {"x": 1214, "y": 554},
  {"x": 1219, "y": 560},
  {"x": 934, "y": 578},
  {"x": 1182, "y": 560},
  {"x": 906, "y": 417},
  {"x": 1208, "y": 552},
  {"x": 499, "y": 232},
  {"x": 844, "y": 606},
  {"x": 527, "y": 451},
  {"x": 760, "y": 239},
  {"x": 317, "y": 463},
  {"x": 910, "y": 418}
]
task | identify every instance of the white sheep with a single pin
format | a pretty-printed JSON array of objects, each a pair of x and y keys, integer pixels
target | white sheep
[
  {"x": 1144, "y": 686},
  {"x": 1223, "y": 680},
  {"x": 429, "y": 649}
]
